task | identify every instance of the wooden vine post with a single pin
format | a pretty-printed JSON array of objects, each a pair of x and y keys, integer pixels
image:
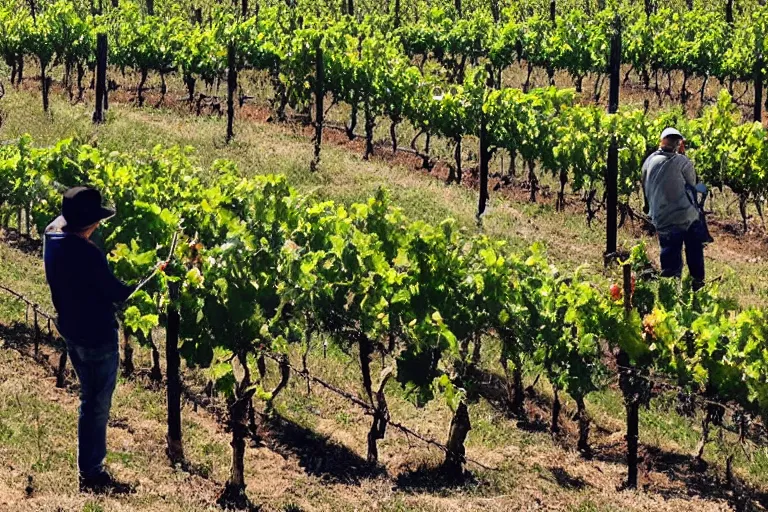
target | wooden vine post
[
  {"x": 759, "y": 63},
  {"x": 319, "y": 108},
  {"x": 397, "y": 13},
  {"x": 101, "y": 77},
  {"x": 173, "y": 362},
  {"x": 46, "y": 84},
  {"x": 231, "y": 88},
  {"x": 629, "y": 386},
  {"x": 612, "y": 168},
  {"x": 45, "y": 80},
  {"x": 485, "y": 152},
  {"x": 633, "y": 404},
  {"x": 37, "y": 331},
  {"x": 62, "y": 367},
  {"x": 485, "y": 156}
]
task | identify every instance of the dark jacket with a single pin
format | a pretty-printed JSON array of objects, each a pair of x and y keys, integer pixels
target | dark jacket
[{"x": 83, "y": 288}]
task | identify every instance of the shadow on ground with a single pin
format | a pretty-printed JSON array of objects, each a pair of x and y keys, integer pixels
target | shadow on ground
[
  {"x": 493, "y": 388},
  {"x": 318, "y": 455},
  {"x": 566, "y": 480},
  {"x": 20, "y": 337},
  {"x": 24, "y": 243},
  {"x": 429, "y": 478},
  {"x": 685, "y": 475}
]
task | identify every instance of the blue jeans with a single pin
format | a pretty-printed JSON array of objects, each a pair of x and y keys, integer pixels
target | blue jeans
[
  {"x": 96, "y": 368},
  {"x": 672, "y": 253}
]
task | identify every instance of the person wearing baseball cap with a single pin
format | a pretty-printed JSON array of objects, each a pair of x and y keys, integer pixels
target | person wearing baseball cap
[
  {"x": 85, "y": 294},
  {"x": 668, "y": 180}
]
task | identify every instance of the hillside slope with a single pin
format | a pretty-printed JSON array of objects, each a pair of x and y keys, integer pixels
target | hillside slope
[
  {"x": 312, "y": 457},
  {"x": 261, "y": 148}
]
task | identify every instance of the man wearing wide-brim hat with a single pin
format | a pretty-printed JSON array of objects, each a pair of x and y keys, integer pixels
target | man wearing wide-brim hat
[
  {"x": 671, "y": 196},
  {"x": 85, "y": 294}
]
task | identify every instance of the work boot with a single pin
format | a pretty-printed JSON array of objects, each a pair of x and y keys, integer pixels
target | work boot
[{"x": 103, "y": 483}]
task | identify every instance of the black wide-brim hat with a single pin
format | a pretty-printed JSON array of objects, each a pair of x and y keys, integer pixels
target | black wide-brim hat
[{"x": 81, "y": 207}]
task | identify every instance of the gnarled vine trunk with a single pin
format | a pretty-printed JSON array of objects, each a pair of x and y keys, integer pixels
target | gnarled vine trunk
[
  {"x": 583, "y": 418},
  {"x": 476, "y": 349},
  {"x": 556, "y": 406},
  {"x": 319, "y": 109},
  {"x": 20, "y": 72},
  {"x": 163, "y": 89},
  {"x": 80, "y": 86},
  {"x": 156, "y": 373},
  {"x": 189, "y": 82},
  {"x": 370, "y": 123},
  {"x": 234, "y": 495},
  {"x": 280, "y": 100},
  {"x": 140, "y": 89},
  {"x": 533, "y": 180},
  {"x": 455, "y": 457},
  {"x": 455, "y": 172},
  {"x": 561, "y": 195},
  {"x": 743, "y": 199},
  {"x": 350, "y": 128},
  {"x": 393, "y": 133},
  {"x": 518, "y": 399},
  {"x": 285, "y": 374},
  {"x": 45, "y": 80},
  {"x": 62, "y": 367},
  {"x": 527, "y": 83},
  {"x": 380, "y": 419},
  {"x": 261, "y": 365},
  {"x": 713, "y": 416},
  {"x": 366, "y": 350},
  {"x": 127, "y": 366}
]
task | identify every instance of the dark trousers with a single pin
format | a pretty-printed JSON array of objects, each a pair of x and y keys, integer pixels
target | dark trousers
[
  {"x": 672, "y": 253},
  {"x": 96, "y": 369}
]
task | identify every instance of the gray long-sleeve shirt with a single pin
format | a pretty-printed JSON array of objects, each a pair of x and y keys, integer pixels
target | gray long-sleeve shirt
[{"x": 665, "y": 176}]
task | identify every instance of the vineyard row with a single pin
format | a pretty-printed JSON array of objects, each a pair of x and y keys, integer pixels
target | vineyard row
[
  {"x": 260, "y": 267},
  {"x": 372, "y": 70}
]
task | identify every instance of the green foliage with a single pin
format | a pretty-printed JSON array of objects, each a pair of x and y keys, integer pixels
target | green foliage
[{"x": 368, "y": 60}]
